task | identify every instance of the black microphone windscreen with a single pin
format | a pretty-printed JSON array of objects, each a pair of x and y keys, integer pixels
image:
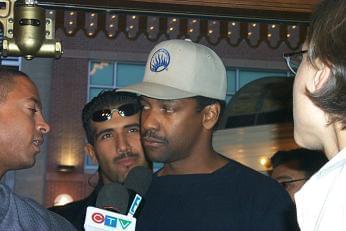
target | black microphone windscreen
[
  {"x": 138, "y": 179},
  {"x": 114, "y": 197}
]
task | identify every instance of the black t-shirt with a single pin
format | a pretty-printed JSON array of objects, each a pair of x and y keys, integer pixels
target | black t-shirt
[{"x": 233, "y": 197}]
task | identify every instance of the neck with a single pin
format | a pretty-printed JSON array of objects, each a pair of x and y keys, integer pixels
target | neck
[
  {"x": 333, "y": 148},
  {"x": 202, "y": 163},
  {"x": 199, "y": 158},
  {"x": 2, "y": 172}
]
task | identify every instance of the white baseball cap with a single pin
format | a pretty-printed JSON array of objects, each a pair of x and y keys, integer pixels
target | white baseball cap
[{"x": 179, "y": 69}]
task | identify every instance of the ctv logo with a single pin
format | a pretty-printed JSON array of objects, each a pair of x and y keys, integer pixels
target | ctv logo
[
  {"x": 97, "y": 218},
  {"x": 109, "y": 221}
]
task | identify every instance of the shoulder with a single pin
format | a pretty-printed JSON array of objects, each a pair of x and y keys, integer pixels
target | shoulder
[
  {"x": 262, "y": 194},
  {"x": 251, "y": 181},
  {"x": 26, "y": 214},
  {"x": 236, "y": 170}
]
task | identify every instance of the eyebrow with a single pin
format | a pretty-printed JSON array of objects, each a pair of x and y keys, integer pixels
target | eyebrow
[
  {"x": 132, "y": 125},
  {"x": 97, "y": 135},
  {"x": 162, "y": 101},
  {"x": 36, "y": 101}
]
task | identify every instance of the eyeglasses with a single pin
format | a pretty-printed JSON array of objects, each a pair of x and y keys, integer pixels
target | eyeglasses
[
  {"x": 286, "y": 183},
  {"x": 294, "y": 59},
  {"x": 123, "y": 110}
]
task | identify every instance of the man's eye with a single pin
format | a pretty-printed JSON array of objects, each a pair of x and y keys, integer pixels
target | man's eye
[
  {"x": 106, "y": 136},
  {"x": 132, "y": 130},
  {"x": 145, "y": 107},
  {"x": 167, "y": 109},
  {"x": 33, "y": 110}
]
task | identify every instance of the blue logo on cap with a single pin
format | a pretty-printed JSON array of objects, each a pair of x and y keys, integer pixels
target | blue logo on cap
[{"x": 160, "y": 60}]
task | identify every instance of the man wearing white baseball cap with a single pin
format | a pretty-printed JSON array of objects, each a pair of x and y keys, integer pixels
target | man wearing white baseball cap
[{"x": 182, "y": 96}]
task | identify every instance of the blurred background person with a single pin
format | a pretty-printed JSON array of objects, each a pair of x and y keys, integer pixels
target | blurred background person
[{"x": 294, "y": 167}]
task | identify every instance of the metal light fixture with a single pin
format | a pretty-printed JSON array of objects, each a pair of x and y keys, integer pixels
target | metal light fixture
[{"x": 27, "y": 31}]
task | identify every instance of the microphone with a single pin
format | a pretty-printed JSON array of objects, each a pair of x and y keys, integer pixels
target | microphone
[
  {"x": 113, "y": 197},
  {"x": 138, "y": 181},
  {"x": 111, "y": 203}
]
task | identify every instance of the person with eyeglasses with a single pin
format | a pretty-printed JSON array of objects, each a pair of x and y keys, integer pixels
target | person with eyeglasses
[
  {"x": 182, "y": 98},
  {"x": 319, "y": 113},
  {"x": 111, "y": 124},
  {"x": 22, "y": 130},
  {"x": 294, "y": 167}
]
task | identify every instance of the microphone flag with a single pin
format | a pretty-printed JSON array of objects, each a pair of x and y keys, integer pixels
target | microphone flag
[{"x": 103, "y": 220}]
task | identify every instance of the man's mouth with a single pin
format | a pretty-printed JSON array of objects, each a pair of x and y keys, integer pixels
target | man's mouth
[
  {"x": 37, "y": 143},
  {"x": 151, "y": 139},
  {"x": 126, "y": 159}
]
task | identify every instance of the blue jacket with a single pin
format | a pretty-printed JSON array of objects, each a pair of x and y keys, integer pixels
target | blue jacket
[{"x": 19, "y": 213}]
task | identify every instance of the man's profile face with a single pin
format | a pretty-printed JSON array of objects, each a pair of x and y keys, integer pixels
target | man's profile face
[
  {"x": 309, "y": 119},
  {"x": 22, "y": 126},
  {"x": 117, "y": 147},
  {"x": 289, "y": 177}
]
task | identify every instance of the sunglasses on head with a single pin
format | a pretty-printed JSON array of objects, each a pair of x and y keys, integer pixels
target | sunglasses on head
[{"x": 123, "y": 111}]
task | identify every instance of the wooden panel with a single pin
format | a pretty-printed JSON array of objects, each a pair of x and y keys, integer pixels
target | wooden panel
[
  {"x": 276, "y": 5},
  {"x": 291, "y": 10}
]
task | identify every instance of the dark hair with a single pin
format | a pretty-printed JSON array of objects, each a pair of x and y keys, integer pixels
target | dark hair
[
  {"x": 105, "y": 99},
  {"x": 308, "y": 161},
  {"x": 203, "y": 101},
  {"x": 7, "y": 81},
  {"x": 326, "y": 41}
]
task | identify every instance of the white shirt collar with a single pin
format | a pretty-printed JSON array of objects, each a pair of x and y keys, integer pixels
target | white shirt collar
[{"x": 338, "y": 160}]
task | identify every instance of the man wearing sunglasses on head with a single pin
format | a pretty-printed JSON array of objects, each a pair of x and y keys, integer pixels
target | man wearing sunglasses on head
[{"x": 111, "y": 124}]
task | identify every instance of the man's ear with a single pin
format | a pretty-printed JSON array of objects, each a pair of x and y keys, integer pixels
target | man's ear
[
  {"x": 90, "y": 151},
  {"x": 211, "y": 115},
  {"x": 320, "y": 78}
]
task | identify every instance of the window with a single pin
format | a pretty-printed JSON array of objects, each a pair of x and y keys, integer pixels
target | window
[
  {"x": 238, "y": 77},
  {"x": 109, "y": 75},
  {"x": 10, "y": 62}
]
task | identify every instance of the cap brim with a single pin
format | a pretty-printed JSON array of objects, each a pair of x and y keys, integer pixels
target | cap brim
[{"x": 156, "y": 91}]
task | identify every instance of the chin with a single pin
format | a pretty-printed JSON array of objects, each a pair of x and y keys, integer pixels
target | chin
[
  {"x": 298, "y": 139},
  {"x": 28, "y": 164},
  {"x": 156, "y": 157},
  {"x": 311, "y": 144}
]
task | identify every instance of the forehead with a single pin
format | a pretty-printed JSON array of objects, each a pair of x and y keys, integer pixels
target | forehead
[
  {"x": 116, "y": 122},
  {"x": 185, "y": 101},
  {"x": 24, "y": 88},
  {"x": 288, "y": 169}
]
